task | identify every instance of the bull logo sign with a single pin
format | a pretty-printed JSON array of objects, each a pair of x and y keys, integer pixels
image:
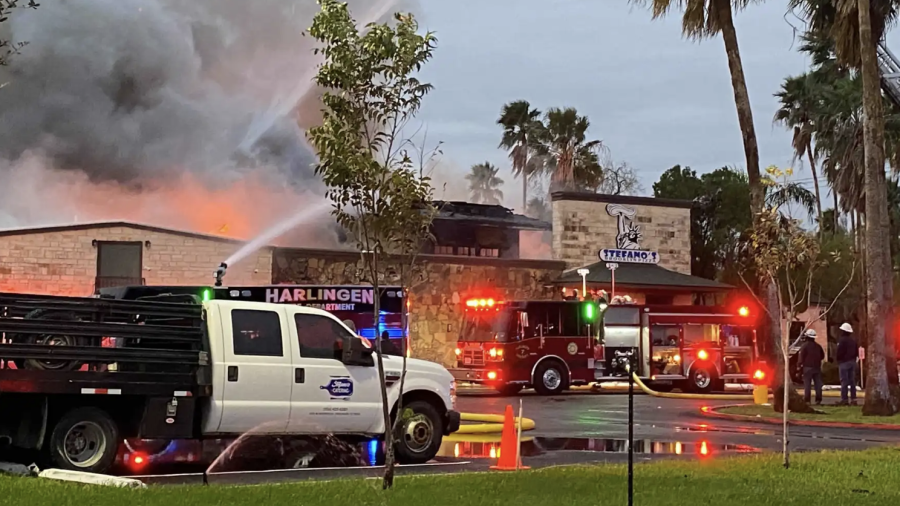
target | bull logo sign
[{"x": 628, "y": 239}]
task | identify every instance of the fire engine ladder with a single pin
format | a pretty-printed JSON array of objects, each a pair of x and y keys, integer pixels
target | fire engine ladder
[{"x": 889, "y": 66}]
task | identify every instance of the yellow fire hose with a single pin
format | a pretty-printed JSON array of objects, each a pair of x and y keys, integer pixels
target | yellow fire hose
[
  {"x": 478, "y": 438},
  {"x": 714, "y": 397},
  {"x": 490, "y": 424}
]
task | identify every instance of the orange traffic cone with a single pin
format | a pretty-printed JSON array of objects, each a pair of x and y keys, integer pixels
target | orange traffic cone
[{"x": 509, "y": 460}]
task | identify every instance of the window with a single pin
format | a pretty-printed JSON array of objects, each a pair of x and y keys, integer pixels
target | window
[
  {"x": 319, "y": 336},
  {"x": 119, "y": 263},
  {"x": 569, "y": 319},
  {"x": 256, "y": 333},
  {"x": 660, "y": 300},
  {"x": 443, "y": 250}
]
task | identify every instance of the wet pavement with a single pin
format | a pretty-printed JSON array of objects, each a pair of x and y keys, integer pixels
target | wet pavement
[
  {"x": 576, "y": 428},
  {"x": 605, "y": 416}
]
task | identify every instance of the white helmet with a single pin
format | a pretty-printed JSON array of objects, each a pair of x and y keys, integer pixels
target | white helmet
[
  {"x": 810, "y": 334},
  {"x": 846, "y": 328}
]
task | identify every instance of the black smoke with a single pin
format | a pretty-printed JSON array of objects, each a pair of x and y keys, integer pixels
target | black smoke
[{"x": 133, "y": 92}]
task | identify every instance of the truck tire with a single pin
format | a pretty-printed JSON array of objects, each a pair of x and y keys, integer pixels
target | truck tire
[
  {"x": 420, "y": 435},
  {"x": 84, "y": 439},
  {"x": 52, "y": 340},
  {"x": 702, "y": 379},
  {"x": 550, "y": 378},
  {"x": 508, "y": 390}
]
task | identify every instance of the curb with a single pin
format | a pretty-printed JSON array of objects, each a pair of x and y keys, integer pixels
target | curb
[{"x": 714, "y": 413}]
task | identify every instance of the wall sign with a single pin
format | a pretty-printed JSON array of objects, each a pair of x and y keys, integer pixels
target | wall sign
[
  {"x": 629, "y": 256},
  {"x": 628, "y": 239}
]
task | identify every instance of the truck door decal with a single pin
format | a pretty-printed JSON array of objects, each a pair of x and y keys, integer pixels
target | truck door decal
[{"x": 340, "y": 388}]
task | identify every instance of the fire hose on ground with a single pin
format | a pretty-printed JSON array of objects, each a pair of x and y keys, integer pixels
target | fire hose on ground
[
  {"x": 489, "y": 424},
  {"x": 714, "y": 397}
]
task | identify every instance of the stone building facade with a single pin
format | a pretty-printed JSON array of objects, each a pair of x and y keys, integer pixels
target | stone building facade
[
  {"x": 585, "y": 223},
  {"x": 442, "y": 285},
  {"x": 67, "y": 260},
  {"x": 63, "y": 260}
]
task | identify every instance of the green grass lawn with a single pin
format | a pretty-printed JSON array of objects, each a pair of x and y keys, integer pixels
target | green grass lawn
[
  {"x": 846, "y": 414},
  {"x": 863, "y": 478}
]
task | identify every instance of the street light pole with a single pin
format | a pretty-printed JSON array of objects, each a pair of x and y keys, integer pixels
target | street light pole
[
  {"x": 612, "y": 266},
  {"x": 583, "y": 273}
]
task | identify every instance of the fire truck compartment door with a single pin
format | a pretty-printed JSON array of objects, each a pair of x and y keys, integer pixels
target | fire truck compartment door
[{"x": 622, "y": 337}]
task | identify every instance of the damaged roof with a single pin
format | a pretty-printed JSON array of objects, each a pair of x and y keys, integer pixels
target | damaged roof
[
  {"x": 485, "y": 214},
  {"x": 643, "y": 275}
]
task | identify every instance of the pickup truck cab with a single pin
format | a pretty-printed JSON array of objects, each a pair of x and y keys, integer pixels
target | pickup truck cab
[{"x": 224, "y": 369}]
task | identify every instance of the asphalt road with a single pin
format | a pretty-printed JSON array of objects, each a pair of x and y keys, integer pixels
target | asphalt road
[
  {"x": 588, "y": 427},
  {"x": 661, "y": 423}
]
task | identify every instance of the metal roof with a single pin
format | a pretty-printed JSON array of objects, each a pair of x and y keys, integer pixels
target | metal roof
[
  {"x": 486, "y": 215},
  {"x": 642, "y": 275}
]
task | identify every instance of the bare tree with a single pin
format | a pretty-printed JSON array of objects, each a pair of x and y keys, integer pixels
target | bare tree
[
  {"x": 619, "y": 178},
  {"x": 787, "y": 256}
]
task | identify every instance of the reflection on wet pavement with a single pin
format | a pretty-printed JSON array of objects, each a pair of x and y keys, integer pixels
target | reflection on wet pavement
[
  {"x": 257, "y": 453},
  {"x": 532, "y": 447}
]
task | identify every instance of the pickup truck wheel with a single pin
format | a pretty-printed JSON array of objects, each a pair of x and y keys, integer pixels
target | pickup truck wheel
[
  {"x": 84, "y": 439},
  {"x": 508, "y": 389},
  {"x": 550, "y": 378},
  {"x": 51, "y": 340},
  {"x": 420, "y": 434}
]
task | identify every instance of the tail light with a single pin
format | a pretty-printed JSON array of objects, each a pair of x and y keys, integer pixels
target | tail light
[
  {"x": 137, "y": 460},
  {"x": 492, "y": 375},
  {"x": 759, "y": 375},
  {"x": 702, "y": 355}
]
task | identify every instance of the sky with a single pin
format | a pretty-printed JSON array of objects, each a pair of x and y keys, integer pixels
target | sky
[{"x": 654, "y": 98}]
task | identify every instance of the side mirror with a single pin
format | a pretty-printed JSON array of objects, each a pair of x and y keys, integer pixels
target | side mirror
[
  {"x": 523, "y": 319},
  {"x": 354, "y": 352}
]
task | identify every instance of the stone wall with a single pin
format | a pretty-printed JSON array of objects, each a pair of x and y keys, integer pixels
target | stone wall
[
  {"x": 582, "y": 226},
  {"x": 443, "y": 283},
  {"x": 63, "y": 260}
]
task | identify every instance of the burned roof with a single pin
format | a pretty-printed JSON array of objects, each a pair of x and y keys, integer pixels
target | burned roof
[
  {"x": 643, "y": 275},
  {"x": 485, "y": 214}
]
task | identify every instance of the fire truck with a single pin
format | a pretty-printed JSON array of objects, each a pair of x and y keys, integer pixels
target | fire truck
[{"x": 553, "y": 345}]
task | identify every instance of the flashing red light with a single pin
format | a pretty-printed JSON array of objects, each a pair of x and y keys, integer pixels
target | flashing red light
[
  {"x": 481, "y": 303},
  {"x": 744, "y": 311},
  {"x": 138, "y": 460},
  {"x": 491, "y": 375},
  {"x": 704, "y": 448},
  {"x": 702, "y": 355},
  {"x": 458, "y": 352},
  {"x": 759, "y": 375}
]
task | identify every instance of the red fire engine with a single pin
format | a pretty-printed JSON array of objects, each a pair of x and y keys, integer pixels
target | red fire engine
[{"x": 552, "y": 345}]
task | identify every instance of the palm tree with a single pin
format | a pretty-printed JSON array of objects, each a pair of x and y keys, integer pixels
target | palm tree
[
  {"x": 484, "y": 185},
  {"x": 570, "y": 157},
  {"x": 798, "y": 107},
  {"x": 856, "y": 26},
  {"x": 520, "y": 124},
  {"x": 706, "y": 19}
]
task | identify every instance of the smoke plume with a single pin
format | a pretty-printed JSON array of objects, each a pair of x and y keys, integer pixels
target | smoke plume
[{"x": 171, "y": 113}]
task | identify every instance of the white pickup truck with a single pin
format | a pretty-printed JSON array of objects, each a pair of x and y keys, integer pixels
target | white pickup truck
[{"x": 79, "y": 375}]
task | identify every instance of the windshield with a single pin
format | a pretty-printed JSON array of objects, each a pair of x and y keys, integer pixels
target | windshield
[{"x": 486, "y": 326}]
